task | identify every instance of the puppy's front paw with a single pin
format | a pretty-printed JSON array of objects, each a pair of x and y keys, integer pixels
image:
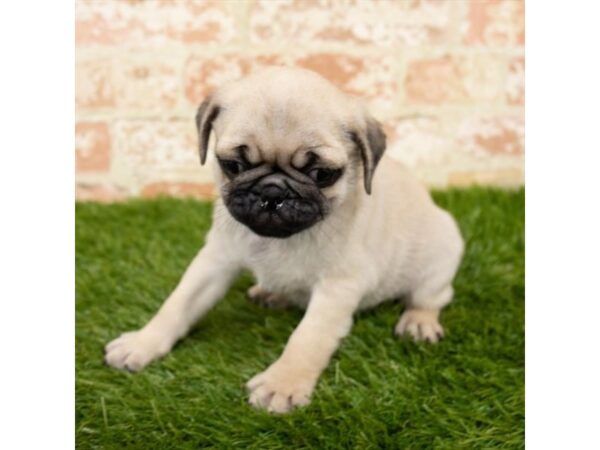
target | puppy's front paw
[
  {"x": 280, "y": 388},
  {"x": 421, "y": 324},
  {"x": 135, "y": 350}
]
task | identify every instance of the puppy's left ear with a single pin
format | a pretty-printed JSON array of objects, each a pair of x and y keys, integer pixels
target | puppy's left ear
[
  {"x": 207, "y": 113},
  {"x": 371, "y": 145}
]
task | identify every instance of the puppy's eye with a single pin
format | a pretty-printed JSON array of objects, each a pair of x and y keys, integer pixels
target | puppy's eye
[
  {"x": 231, "y": 167},
  {"x": 324, "y": 177}
]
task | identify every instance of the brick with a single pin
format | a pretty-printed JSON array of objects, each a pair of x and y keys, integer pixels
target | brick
[
  {"x": 515, "y": 82},
  {"x": 434, "y": 81},
  {"x": 484, "y": 136},
  {"x": 454, "y": 79},
  {"x": 181, "y": 190},
  {"x": 102, "y": 23},
  {"x": 417, "y": 141},
  {"x": 92, "y": 147},
  {"x": 94, "y": 88},
  {"x": 156, "y": 148},
  {"x": 377, "y": 22},
  {"x": 104, "y": 193},
  {"x": 147, "y": 85},
  {"x": 152, "y": 23},
  {"x": 496, "y": 22},
  {"x": 371, "y": 77},
  {"x": 202, "y": 75}
]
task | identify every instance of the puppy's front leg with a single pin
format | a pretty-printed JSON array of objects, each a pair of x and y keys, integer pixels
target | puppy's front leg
[
  {"x": 290, "y": 380},
  {"x": 203, "y": 284}
]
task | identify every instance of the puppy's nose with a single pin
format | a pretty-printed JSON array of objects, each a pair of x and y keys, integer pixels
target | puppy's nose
[{"x": 272, "y": 197}]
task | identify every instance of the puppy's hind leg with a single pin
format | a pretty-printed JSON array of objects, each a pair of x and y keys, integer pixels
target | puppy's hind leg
[
  {"x": 439, "y": 263},
  {"x": 421, "y": 317}
]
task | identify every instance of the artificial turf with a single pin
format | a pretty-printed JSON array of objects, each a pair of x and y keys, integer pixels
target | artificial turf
[{"x": 378, "y": 392}]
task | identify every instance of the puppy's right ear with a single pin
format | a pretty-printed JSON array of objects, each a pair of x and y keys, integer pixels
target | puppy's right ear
[
  {"x": 207, "y": 113},
  {"x": 371, "y": 145}
]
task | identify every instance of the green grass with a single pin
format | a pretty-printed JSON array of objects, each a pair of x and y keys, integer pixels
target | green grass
[{"x": 378, "y": 392}]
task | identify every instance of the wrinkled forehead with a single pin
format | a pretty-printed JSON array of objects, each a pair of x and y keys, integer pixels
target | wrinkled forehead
[{"x": 281, "y": 134}]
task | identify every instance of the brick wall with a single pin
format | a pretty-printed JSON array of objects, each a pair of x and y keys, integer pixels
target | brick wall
[{"x": 446, "y": 77}]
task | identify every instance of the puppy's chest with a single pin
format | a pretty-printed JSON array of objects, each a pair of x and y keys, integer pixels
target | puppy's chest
[{"x": 286, "y": 268}]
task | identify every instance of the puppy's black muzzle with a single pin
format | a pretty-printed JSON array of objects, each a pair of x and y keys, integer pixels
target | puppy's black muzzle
[
  {"x": 272, "y": 197},
  {"x": 273, "y": 207}
]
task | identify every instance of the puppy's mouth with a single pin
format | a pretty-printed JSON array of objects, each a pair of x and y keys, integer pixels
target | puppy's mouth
[{"x": 273, "y": 214}]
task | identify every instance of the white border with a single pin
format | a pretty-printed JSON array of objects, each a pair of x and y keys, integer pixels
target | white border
[
  {"x": 36, "y": 229},
  {"x": 563, "y": 225}
]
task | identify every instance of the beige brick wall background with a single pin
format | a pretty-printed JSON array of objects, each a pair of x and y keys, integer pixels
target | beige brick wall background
[{"x": 445, "y": 77}]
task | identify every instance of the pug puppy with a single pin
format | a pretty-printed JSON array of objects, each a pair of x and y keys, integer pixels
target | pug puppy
[{"x": 325, "y": 221}]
